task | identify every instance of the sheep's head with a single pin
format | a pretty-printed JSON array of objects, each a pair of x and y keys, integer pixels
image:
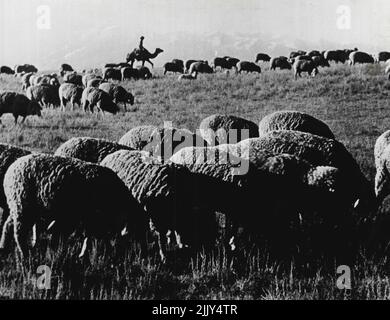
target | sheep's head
[{"x": 35, "y": 109}]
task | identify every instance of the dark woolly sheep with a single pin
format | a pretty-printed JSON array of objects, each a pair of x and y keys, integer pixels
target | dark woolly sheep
[
  {"x": 383, "y": 56},
  {"x": 179, "y": 62},
  {"x": 64, "y": 68},
  {"x": 88, "y": 149},
  {"x": 45, "y": 95},
  {"x": 19, "y": 105},
  {"x": 129, "y": 73},
  {"x": 280, "y": 62},
  {"x": 170, "y": 195},
  {"x": 248, "y": 66},
  {"x": 308, "y": 66},
  {"x": 111, "y": 73},
  {"x": 338, "y": 56},
  {"x": 138, "y": 137},
  {"x": 70, "y": 92},
  {"x": 294, "y": 120},
  {"x": 101, "y": 100},
  {"x": 219, "y": 129},
  {"x": 200, "y": 67},
  {"x": 318, "y": 151},
  {"x": 117, "y": 93},
  {"x": 320, "y": 61},
  {"x": 75, "y": 195},
  {"x": 188, "y": 64},
  {"x": 262, "y": 57},
  {"x": 6, "y": 70},
  {"x": 360, "y": 57},
  {"x": 8, "y": 154},
  {"x": 144, "y": 73},
  {"x": 73, "y": 77},
  {"x": 173, "y": 67},
  {"x": 25, "y": 68},
  {"x": 225, "y": 63}
]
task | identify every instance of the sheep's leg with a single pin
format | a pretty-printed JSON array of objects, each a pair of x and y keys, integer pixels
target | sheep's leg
[
  {"x": 21, "y": 229},
  {"x": 63, "y": 104},
  {"x": 16, "y": 119},
  {"x": 7, "y": 231}
]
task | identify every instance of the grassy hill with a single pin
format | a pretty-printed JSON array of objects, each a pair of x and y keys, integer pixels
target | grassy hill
[{"x": 353, "y": 101}]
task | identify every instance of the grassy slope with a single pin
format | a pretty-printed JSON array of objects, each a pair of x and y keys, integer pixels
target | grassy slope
[{"x": 352, "y": 101}]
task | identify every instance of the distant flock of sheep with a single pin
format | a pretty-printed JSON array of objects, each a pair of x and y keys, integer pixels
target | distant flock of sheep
[
  {"x": 170, "y": 186},
  {"x": 100, "y": 90}
]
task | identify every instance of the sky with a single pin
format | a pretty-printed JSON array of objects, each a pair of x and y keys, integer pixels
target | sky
[{"x": 37, "y": 30}]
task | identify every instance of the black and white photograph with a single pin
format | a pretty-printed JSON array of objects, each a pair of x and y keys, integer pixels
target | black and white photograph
[{"x": 222, "y": 151}]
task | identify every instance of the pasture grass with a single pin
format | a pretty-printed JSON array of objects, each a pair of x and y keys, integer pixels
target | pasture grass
[{"x": 353, "y": 101}]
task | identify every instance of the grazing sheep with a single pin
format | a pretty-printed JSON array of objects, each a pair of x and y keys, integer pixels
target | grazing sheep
[
  {"x": 219, "y": 129},
  {"x": 64, "y": 68},
  {"x": 25, "y": 68},
  {"x": 225, "y": 63},
  {"x": 19, "y": 105},
  {"x": 129, "y": 73},
  {"x": 70, "y": 92},
  {"x": 336, "y": 56},
  {"x": 320, "y": 61},
  {"x": 94, "y": 97},
  {"x": 47, "y": 79},
  {"x": 262, "y": 57},
  {"x": 89, "y": 149},
  {"x": 188, "y": 76},
  {"x": 144, "y": 73},
  {"x": 117, "y": 93},
  {"x": 173, "y": 67},
  {"x": 360, "y": 57},
  {"x": 6, "y": 70},
  {"x": 170, "y": 195},
  {"x": 73, "y": 77},
  {"x": 138, "y": 137},
  {"x": 188, "y": 64},
  {"x": 42, "y": 189},
  {"x": 44, "y": 94},
  {"x": 294, "y": 120},
  {"x": 280, "y": 62},
  {"x": 318, "y": 151},
  {"x": 248, "y": 66},
  {"x": 89, "y": 76},
  {"x": 178, "y": 62},
  {"x": 383, "y": 56},
  {"x": 300, "y": 66},
  {"x": 111, "y": 73},
  {"x": 8, "y": 154},
  {"x": 200, "y": 67}
]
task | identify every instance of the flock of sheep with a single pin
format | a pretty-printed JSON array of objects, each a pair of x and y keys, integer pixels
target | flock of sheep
[{"x": 172, "y": 185}]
